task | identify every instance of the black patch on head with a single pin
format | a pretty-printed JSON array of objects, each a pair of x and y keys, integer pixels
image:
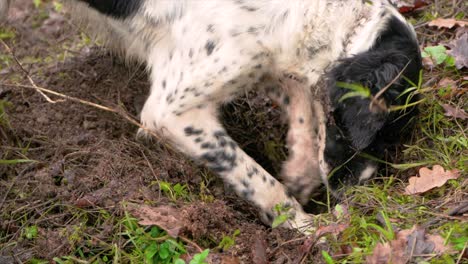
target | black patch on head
[
  {"x": 353, "y": 127},
  {"x": 394, "y": 50},
  {"x": 209, "y": 47},
  {"x": 115, "y": 8}
]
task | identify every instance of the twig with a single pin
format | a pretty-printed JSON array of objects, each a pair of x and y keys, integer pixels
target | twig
[
  {"x": 186, "y": 240},
  {"x": 462, "y": 253},
  {"x": 98, "y": 106},
  {"x": 288, "y": 242},
  {"x": 26, "y": 73},
  {"x": 383, "y": 90},
  {"x": 7, "y": 192}
]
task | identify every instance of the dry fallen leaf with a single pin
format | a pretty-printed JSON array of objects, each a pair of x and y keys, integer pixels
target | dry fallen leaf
[
  {"x": 459, "y": 50},
  {"x": 334, "y": 229},
  {"x": 447, "y": 23},
  {"x": 393, "y": 252},
  {"x": 408, "y": 243},
  {"x": 456, "y": 112},
  {"x": 166, "y": 217},
  {"x": 447, "y": 82},
  {"x": 429, "y": 179}
]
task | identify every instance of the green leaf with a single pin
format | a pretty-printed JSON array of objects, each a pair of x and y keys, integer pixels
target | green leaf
[
  {"x": 154, "y": 232},
  {"x": 164, "y": 250},
  {"x": 438, "y": 53},
  {"x": 328, "y": 259},
  {"x": 150, "y": 251},
  {"x": 37, "y": 3},
  {"x": 165, "y": 186},
  {"x": 31, "y": 232},
  {"x": 450, "y": 61},
  {"x": 200, "y": 257},
  {"x": 280, "y": 219},
  {"x": 179, "y": 261}
]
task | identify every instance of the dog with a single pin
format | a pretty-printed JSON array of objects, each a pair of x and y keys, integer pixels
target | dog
[{"x": 201, "y": 54}]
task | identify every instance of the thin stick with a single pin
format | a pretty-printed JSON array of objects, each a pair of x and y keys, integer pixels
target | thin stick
[
  {"x": 188, "y": 241},
  {"x": 383, "y": 90},
  {"x": 26, "y": 73},
  {"x": 98, "y": 106},
  {"x": 462, "y": 253}
]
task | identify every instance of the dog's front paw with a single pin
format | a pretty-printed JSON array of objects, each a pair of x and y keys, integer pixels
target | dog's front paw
[{"x": 301, "y": 178}]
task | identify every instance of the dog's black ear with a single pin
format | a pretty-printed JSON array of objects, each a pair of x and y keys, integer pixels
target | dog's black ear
[{"x": 394, "y": 55}]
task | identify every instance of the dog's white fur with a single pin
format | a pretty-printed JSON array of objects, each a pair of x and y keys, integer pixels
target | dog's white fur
[{"x": 201, "y": 54}]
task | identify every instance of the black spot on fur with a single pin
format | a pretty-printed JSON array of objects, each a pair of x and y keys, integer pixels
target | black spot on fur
[
  {"x": 207, "y": 145},
  {"x": 191, "y": 131},
  {"x": 210, "y": 28},
  {"x": 272, "y": 182},
  {"x": 209, "y": 47}
]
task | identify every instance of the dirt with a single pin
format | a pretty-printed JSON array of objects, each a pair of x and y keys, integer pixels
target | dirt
[{"x": 90, "y": 159}]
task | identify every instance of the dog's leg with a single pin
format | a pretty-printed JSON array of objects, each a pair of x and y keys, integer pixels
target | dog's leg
[
  {"x": 199, "y": 134},
  {"x": 301, "y": 173}
]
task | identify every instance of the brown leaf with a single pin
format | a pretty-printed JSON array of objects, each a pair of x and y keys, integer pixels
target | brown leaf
[
  {"x": 456, "y": 112},
  {"x": 459, "y": 50},
  {"x": 447, "y": 82},
  {"x": 334, "y": 229},
  {"x": 408, "y": 243},
  {"x": 447, "y": 23},
  {"x": 259, "y": 255},
  {"x": 166, "y": 217},
  {"x": 429, "y": 179},
  {"x": 393, "y": 252}
]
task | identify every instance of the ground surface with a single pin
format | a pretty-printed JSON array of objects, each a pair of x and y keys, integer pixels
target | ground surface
[{"x": 72, "y": 203}]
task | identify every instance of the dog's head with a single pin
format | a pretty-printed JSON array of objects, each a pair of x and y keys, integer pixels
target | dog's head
[{"x": 369, "y": 123}]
